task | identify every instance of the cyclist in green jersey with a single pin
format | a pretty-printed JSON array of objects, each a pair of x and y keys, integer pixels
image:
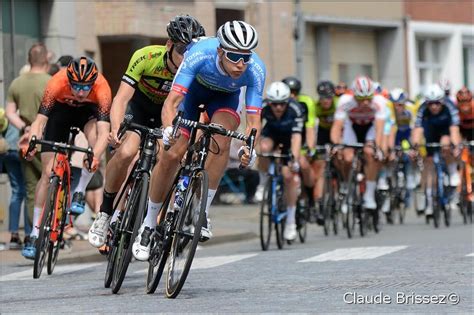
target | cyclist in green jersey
[
  {"x": 309, "y": 141},
  {"x": 324, "y": 117},
  {"x": 144, "y": 87}
]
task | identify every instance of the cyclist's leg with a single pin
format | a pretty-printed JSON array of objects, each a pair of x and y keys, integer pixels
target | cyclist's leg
[
  {"x": 265, "y": 144},
  {"x": 371, "y": 169},
  {"x": 291, "y": 182},
  {"x": 451, "y": 161}
]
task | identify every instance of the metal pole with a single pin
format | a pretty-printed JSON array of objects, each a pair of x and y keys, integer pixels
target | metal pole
[
  {"x": 299, "y": 39},
  {"x": 12, "y": 37},
  {"x": 270, "y": 43}
]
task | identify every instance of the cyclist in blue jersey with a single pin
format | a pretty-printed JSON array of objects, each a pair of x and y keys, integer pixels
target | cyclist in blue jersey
[
  {"x": 212, "y": 73},
  {"x": 439, "y": 122}
]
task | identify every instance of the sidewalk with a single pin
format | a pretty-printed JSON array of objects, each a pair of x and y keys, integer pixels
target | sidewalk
[{"x": 229, "y": 224}]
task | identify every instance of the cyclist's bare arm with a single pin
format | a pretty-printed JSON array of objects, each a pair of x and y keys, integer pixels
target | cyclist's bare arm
[
  {"x": 416, "y": 136},
  {"x": 38, "y": 125},
  {"x": 296, "y": 145},
  {"x": 12, "y": 115},
  {"x": 103, "y": 128},
  {"x": 310, "y": 137},
  {"x": 455, "y": 135},
  {"x": 336, "y": 131},
  {"x": 253, "y": 121},
  {"x": 119, "y": 105},
  {"x": 379, "y": 126},
  {"x": 171, "y": 107}
]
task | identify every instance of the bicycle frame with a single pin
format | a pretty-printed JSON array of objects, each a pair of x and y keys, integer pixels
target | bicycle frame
[
  {"x": 273, "y": 170},
  {"x": 440, "y": 170}
]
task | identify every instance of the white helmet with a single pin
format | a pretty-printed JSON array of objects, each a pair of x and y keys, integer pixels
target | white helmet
[
  {"x": 278, "y": 92},
  {"x": 363, "y": 86},
  {"x": 444, "y": 84},
  {"x": 237, "y": 35},
  {"x": 398, "y": 95},
  {"x": 434, "y": 93}
]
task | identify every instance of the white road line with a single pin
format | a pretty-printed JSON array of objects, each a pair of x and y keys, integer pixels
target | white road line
[
  {"x": 470, "y": 255},
  {"x": 355, "y": 253},
  {"x": 61, "y": 269},
  {"x": 211, "y": 262}
]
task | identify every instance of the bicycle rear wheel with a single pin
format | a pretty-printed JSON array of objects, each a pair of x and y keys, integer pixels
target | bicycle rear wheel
[
  {"x": 61, "y": 205},
  {"x": 133, "y": 218},
  {"x": 160, "y": 245},
  {"x": 436, "y": 203},
  {"x": 266, "y": 216},
  {"x": 183, "y": 246},
  {"x": 327, "y": 205},
  {"x": 42, "y": 243},
  {"x": 302, "y": 219}
]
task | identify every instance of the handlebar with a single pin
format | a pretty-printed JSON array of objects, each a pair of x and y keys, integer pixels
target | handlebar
[
  {"x": 127, "y": 124},
  {"x": 60, "y": 147},
  {"x": 176, "y": 124}
]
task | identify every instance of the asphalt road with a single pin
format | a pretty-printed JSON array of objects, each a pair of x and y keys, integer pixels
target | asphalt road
[{"x": 409, "y": 268}]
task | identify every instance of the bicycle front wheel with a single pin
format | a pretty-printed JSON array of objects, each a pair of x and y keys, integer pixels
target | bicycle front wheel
[
  {"x": 42, "y": 243},
  {"x": 60, "y": 208},
  {"x": 266, "y": 216},
  {"x": 160, "y": 245},
  {"x": 185, "y": 240},
  {"x": 130, "y": 225}
]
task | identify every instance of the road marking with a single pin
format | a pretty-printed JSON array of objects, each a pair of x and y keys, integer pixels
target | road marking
[
  {"x": 62, "y": 269},
  {"x": 212, "y": 262},
  {"x": 355, "y": 253},
  {"x": 470, "y": 255}
]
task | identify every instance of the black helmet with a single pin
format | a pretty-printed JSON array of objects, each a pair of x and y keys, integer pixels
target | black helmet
[
  {"x": 183, "y": 28},
  {"x": 82, "y": 70},
  {"x": 293, "y": 83},
  {"x": 326, "y": 89}
]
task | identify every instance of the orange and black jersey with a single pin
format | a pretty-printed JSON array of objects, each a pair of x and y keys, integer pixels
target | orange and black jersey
[{"x": 58, "y": 93}]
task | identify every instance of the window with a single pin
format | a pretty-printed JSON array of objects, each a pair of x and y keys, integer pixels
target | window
[
  {"x": 224, "y": 15},
  {"x": 347, "y": 72},
  {"x": 428, "y": 60},
  {"x": 468, "y": 66}
]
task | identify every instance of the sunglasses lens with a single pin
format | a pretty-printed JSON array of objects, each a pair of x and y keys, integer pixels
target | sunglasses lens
[
  {"x": 80, "y": 87},
  {"x": 235, "y": 57}
]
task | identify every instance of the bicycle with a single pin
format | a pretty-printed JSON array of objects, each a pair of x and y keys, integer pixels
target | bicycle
[
  {"x": 466, "y": 198},
  {"x": 329, "y": 204},
  {"x": 398, "y": 183},
  {"x": 441, "y": 190},
  {"x": 352, "y": 195},
  {"x": 56, "y": 208},
  {"x": 176, "y": 237},
  {"x": 272, "y": 207},
  {"x": 123, "y": 232}
]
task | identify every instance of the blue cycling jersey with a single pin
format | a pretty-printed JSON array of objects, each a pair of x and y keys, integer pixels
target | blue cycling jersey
[{"x": 201, "y": 62}]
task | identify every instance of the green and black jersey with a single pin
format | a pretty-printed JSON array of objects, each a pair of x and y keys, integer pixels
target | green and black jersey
[{"x": 148, "y": 74}]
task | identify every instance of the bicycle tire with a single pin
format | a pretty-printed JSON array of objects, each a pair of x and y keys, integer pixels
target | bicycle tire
[
  {"x": 436, "y": 204},
  {"x": 132, "y": 221},
  {"x": 464, "y": 195},
  {"x": 173, "y": 288},
  {"x": 266, "y": 216},
  {"x": 447, "y": 212},
  {"x": 53, "y": 251},
  {"x": 42, "y": 243},
  {"x": 326, "y": 205},
  {"x": 302, "y": 220},
  {"x": 159, "y": 255},
  {"x": 363, "y": 215},
  {"x": 111, "y": 255}
]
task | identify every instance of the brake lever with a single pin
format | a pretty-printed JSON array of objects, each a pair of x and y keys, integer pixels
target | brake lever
[
  {"x": 176, "y": 125},
  {"x": 250, "y": 143}
]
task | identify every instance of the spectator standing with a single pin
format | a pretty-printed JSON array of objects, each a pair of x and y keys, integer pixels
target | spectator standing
[
  {"x": 10, "y": 161},
  {"x": 23, "y": 100}
]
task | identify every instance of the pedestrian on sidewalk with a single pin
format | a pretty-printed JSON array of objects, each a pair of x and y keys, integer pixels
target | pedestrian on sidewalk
[
  {"x": 23, "y": 101},
  {"x": 10, "y": 162}
]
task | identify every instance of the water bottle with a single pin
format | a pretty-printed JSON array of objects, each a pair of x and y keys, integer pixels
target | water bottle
[{"x": 183, "y": 183}]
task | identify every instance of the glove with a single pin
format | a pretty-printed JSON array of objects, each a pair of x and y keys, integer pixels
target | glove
[
  {"x": 244, "y": 150},
  {"x": 295, "y": 167},
  {"x": 94, "y": 166},
  {"x": 168, "y": 135}
]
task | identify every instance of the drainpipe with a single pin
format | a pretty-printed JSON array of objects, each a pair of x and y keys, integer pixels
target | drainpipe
[
  {"x": 299, "y": 36},
  {"x": 270, "y": 42},
  {"x": 405, "y": 21},
  {"x": 12, "y": 36}
]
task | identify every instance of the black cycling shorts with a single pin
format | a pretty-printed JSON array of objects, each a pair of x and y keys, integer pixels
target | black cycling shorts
[
  {"x": 467, "y": 134},
  {"x": 144, "y": 111},
  {"x": 62, "y": 118},
  {"x": 323, "y": 136}
]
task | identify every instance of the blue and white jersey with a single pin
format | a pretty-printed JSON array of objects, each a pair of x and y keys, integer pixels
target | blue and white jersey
[{"x": 201, "y": 63}]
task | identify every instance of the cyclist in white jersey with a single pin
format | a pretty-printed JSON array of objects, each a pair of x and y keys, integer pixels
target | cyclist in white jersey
[{"x": 360, "y": 118}]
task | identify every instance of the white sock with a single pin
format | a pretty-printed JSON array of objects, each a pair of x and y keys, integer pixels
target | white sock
[
  {"x": 84, "y": 181},
  {"x": 262, "y": 178},
  {"x": 453, "y": 168},
  {"x": 152, "y": 213},
  {"x": 429, "y": 193},
  {"x": 115, "y": 216},
  {"x": 210, "y": 196},
  {"x": 36, "y": 221},
  {"x": 370, "y": 189},
  {"x": 290, "y": 218}
]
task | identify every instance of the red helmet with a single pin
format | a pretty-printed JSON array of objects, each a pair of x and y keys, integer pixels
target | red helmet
[
  {"x": 464, "y": 95},
  {"x": 82, "y": 70},
  {"x": 363, "y": 87}
]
